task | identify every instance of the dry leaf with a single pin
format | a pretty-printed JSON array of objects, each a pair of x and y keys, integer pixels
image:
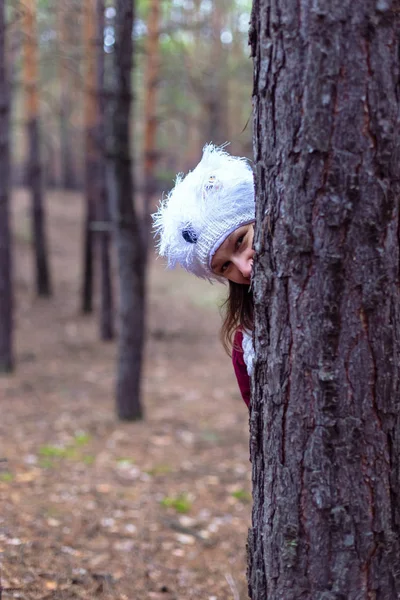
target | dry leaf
[
  {"x": 28, "y": 476},
  {"x": 51, "y": 585}
]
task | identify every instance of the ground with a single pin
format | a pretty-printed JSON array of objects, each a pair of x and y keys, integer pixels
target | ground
[{"x": 96, "y": 508}]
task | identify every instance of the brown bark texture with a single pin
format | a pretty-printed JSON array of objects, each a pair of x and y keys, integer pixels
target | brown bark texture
[
  {"x": 34, "y": 164},
  {"x": 128, "y": 226},
  {"x": 325, "y": 427},
  {"x": 6, "y": 295}
]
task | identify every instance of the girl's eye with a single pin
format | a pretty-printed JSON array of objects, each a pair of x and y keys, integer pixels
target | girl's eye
[
  {"x": 239, "y": 241},
  {"x": 225, "y": 266}
]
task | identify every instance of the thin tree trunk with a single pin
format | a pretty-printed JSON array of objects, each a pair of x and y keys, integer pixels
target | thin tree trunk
[
  {"x": 76, "y": 54},
  {"x": 6, "y": 292},
  {"x": 238, "y": 104},
  {"x": 195, "y": 134},
  {"x": 150, "y": 108},
  {"x": 128, "y": 228},
  {"x": 13, "y": 43},
  {"x": 91, "y": 162},
  {"x": 325, "y": 426},
  {"x": 104, "y": 235},
  {"x": 68, "y": 178},
  {"x": 35, "y": 175},
  {"x": 216, "y": 88}
]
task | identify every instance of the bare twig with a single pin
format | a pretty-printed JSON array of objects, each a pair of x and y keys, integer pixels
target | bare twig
[{"x": 233, "y": 586}]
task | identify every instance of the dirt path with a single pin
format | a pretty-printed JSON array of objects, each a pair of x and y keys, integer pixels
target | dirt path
[{"x": 92, "y": 508}]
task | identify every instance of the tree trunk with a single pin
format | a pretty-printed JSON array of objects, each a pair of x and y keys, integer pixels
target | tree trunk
[
  {"x": 150, "y": 108},
  {"x": 325, "y": 427},
  {"x": 128, "y": 228},
  {"x": 6, "y": 295},
  {"x": 68, "y": 176},
  {"x": 195, "y": 132},
  {"x": 216, "y": 89},
  {"x": 91, "y": 162},
  {"x": 35, "y": 179},
  {"x": 104, "y": 234}
]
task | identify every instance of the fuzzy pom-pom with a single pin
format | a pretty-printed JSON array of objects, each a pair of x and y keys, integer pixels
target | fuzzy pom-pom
[{"x": 213, "y": 199}]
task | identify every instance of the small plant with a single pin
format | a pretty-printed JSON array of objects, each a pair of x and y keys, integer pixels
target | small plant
[
  {"x": 6, "y": 477},
  {"x": 82, "y": 438},
  {"x": 180, "y": 503},
  {"x": 50, "y": 453},
  {"x": 242, "y": 495}
]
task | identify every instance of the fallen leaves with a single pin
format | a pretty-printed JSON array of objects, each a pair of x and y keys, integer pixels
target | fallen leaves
[{"x": 92, "y": 507}]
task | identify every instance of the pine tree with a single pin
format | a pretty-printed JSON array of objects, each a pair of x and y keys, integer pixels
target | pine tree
[
  {"x": 6, "y": 294},
  {"x": 128, "y": 225},
  {"x": 150, "y": 107},
  {"x": 325, "y": 420},
  {"x": 34, "y": 164},
  {"x": 103, "y": 208},
  {"x": 66, "y": 15},
  {"x": 91, "y": 153}
]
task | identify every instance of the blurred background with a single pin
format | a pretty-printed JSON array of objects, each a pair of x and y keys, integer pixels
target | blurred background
[
  {"x": 201, "y": 77},
  {"x": 155, "y": 503}
]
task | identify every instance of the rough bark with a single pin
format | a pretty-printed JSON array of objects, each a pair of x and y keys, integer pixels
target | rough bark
[
  {"x": 34, "y": 163},
  {"x": 325, "y": 427},
  {"x": 6, "y": 295},
  {"x": 128, "y": 227}
]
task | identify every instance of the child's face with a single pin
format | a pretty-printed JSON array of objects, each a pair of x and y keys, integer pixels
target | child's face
[{"x": 234, "y": 258}]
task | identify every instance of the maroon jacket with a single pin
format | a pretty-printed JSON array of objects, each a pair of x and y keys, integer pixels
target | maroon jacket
[{"x": 240, "y": 367}]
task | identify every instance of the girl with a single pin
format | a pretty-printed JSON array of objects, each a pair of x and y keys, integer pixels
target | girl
[{"x": 206, "y": 224}]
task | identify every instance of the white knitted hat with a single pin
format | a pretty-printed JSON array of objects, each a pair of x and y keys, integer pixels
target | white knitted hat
[{"x": 204, "y": 208}]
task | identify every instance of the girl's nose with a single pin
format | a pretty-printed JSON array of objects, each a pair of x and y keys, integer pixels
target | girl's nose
[{"x": 245, "y": 265}]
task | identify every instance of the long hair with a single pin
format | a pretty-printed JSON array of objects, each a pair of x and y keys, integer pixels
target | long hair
[{"x": 237, "y": 313}]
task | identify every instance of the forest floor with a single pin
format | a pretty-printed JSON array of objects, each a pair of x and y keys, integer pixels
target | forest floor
[{"x": 95, "y": 508}]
